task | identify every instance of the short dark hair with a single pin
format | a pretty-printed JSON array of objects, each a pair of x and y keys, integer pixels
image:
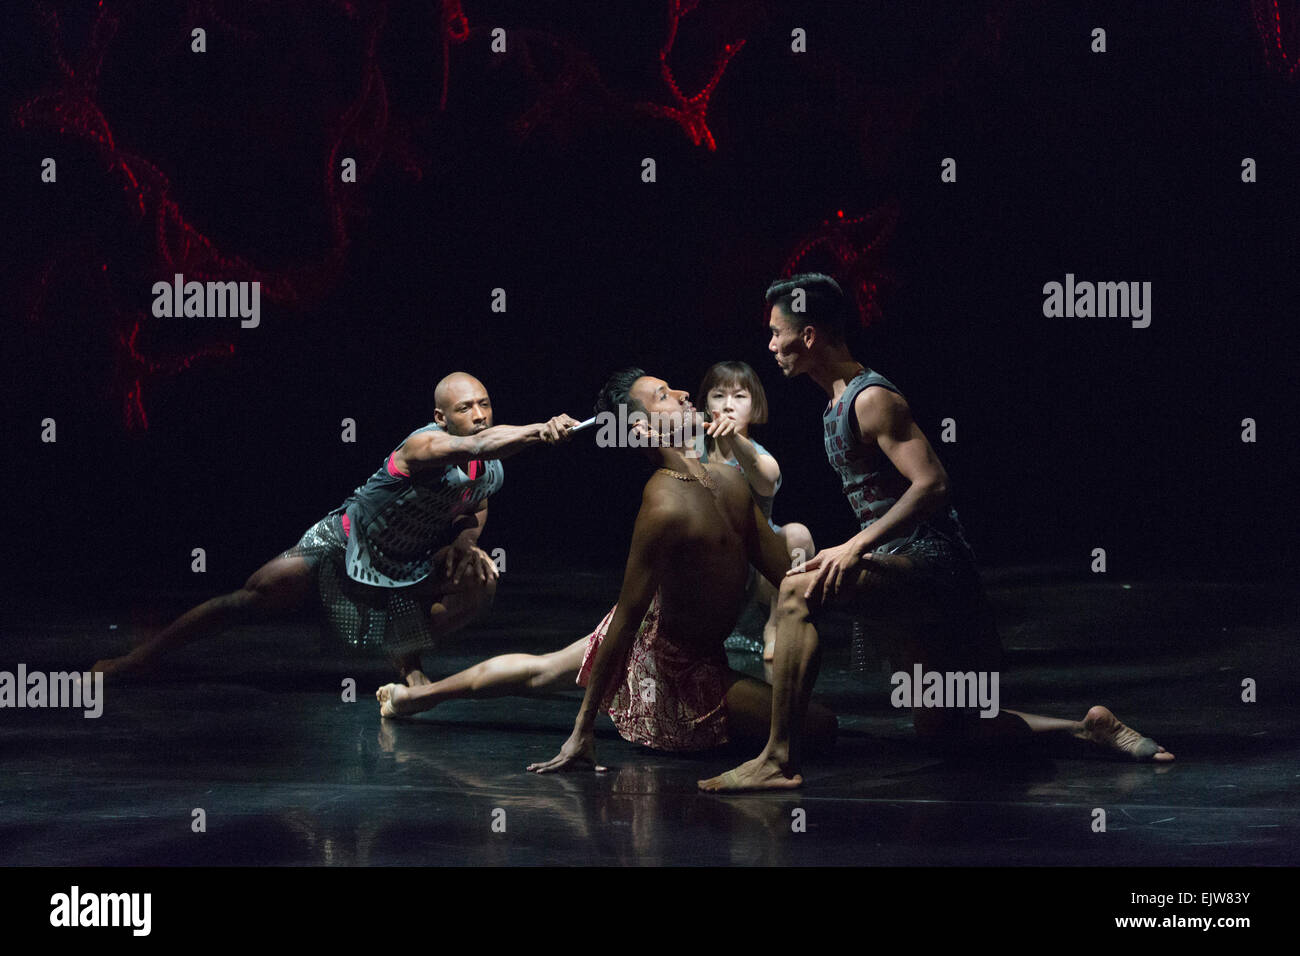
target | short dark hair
[
  {"x": 615, "y": 391},
  {"x": 824, "y": 305},
  {"x": 734, "y": 374}
]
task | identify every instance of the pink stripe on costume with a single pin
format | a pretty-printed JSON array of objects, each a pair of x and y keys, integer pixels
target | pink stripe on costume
[
  {"x": 395, "y": 471},
  {"x": 347, "y": 527}
]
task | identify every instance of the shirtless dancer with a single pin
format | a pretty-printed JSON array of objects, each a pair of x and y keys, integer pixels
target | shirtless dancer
[
  {"x": 397, "y": 565},
  {"x": 658, "y": 662},
  {"x": 675, "y": 692},
  {"x": 910, "y": 559}
]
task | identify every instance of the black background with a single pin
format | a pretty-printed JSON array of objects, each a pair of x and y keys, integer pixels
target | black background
[{"x": 1072, "y": 433}]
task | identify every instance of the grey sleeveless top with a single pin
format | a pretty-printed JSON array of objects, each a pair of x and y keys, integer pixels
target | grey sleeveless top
[
  {"x": 397, "y": 521},
  {"x": 871, "y": 482}
]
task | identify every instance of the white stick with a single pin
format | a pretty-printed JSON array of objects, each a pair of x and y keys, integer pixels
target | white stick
[{"x": 581, "y": 425}]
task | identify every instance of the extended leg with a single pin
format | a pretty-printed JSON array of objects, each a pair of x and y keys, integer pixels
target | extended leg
[
  {"x": 281, "y": 584},
  {"x": 1100, "y": 730},
  {"x": 497, "y": 677}
]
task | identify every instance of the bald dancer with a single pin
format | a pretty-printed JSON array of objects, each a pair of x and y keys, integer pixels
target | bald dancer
[{"x": 396, "y": 566}]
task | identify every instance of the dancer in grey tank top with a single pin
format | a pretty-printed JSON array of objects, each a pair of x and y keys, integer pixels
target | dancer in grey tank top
[
  {"x": 397, "y": 565},
  {"x": 909, "y": 564}
]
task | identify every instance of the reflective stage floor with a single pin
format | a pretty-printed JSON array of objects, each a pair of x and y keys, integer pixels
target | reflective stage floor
[{"x": 252, "y": 729}]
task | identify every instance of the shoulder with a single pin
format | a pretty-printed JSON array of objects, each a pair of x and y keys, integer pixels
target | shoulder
[
  {"x": 659, "y": 498},
  {"x": 877, "y": 408},
  {"x": 661, "y": 510}
]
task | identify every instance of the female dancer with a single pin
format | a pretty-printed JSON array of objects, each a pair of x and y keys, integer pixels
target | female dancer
[
  {"x": 733, "y": 397},
  {"x": 728, "y": 389}
]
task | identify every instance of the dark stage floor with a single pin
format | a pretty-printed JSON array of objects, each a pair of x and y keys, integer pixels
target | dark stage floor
[{"x": 252, "y": 730}]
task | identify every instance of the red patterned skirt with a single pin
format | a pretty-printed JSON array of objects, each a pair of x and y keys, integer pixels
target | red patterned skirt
[{"x": 669, "y": 697}]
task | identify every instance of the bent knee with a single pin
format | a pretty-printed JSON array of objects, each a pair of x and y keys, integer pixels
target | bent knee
[
  {"x": 790, "y": 600},
  {"x": 797, "y": 536}
]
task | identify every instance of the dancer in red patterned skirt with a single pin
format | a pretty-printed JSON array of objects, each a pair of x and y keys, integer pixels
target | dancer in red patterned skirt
[{"x": 656, "y": 663}]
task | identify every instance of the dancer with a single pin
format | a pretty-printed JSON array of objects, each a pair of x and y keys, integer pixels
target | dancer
[
  {"x": 733, "y": 397},
  {"x": 910, "y": 561},
  {"x": 674, "y": 691},
  {"x": 397, "y": 565}
]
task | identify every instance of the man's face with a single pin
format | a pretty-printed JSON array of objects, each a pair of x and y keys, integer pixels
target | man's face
[
  {"x": 787, "y": 343},
  {"x": 669, "y": 408},
  {"x": 467, "y": 411}
]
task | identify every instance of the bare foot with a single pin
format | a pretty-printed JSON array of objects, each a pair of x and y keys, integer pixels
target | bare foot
[
  {"x": 769, "y": 651},
  {"x": 1104, "y": 729},
  {"x": 393, "y": 699},
  {"x": 416, "y": 678},
  {"x": 761, "y": 773}
]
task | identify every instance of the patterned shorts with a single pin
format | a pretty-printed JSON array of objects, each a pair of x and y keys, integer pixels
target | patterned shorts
[
  {"x": 395, "y": 620},
  {"x": 670, "y": 698}
]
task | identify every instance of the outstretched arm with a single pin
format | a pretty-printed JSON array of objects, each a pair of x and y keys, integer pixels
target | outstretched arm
[
  {"x": 651, "y": 540},
  {"x": 435, "y": 448},
  {"x": 761, "y": 471}
]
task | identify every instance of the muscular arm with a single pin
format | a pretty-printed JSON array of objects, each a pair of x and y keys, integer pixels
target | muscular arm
[
  {"x": 765, "y": 548},
  {"x": 437, "y": 449},
  {"x": 761, "y": 471},
  {"x": 651, "y": 540},
  {"x": 883, "y": 417}
]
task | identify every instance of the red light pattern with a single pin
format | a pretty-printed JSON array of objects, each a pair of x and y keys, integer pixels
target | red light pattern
[
  {"x": 455, "y": 29},
  {"x": 361, "y": 131},
  {"x": 1278, "y": 32},
  {"x": 135, "y": 368},
  {"x": 850, "y": 250},
  {"x": 691, "y": 112}
]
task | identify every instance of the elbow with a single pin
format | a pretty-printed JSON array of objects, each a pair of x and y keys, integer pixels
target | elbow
[{"x": 937, "y": 492}]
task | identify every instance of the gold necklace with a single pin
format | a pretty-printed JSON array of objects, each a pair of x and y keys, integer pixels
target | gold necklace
[{"x": 705, "y": 479}]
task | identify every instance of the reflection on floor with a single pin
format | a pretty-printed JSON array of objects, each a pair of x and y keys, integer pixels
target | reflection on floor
[{"x": 252, "y": 730}]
